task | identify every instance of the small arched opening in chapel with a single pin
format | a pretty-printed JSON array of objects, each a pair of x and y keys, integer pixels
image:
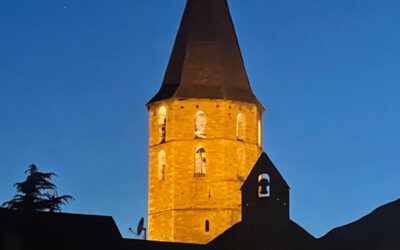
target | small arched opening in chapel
[
  {"x": 200, "y": 162},
  {"x": 200, "y": 125},
  {"x": 264, "y": 186},
  {"x": 162, "y": 123}
]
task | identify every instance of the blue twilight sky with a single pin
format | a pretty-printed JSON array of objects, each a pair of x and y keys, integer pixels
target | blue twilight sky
[{"x": 75, "y": 76}]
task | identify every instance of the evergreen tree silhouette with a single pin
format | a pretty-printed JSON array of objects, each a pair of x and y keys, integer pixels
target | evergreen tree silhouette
[{"x": 37, "y": 193}]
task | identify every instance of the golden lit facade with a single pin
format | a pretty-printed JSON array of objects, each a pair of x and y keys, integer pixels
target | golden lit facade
[
  {"x": 201, "y": 151},
  {"x": 205, "y": 130}
]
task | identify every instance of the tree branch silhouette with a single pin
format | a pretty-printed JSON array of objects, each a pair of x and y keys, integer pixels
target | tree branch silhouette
[{"x": 37, "y": 193}]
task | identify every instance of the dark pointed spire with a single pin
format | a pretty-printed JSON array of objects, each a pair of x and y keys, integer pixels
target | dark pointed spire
[{"x": 206, "y": 61}]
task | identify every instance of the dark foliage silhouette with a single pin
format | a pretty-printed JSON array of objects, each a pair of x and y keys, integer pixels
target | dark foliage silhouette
[{"x": 37, "y": 193}]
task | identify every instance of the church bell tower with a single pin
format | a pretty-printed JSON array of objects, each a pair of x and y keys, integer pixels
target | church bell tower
[{"x": 205, "y": 130}]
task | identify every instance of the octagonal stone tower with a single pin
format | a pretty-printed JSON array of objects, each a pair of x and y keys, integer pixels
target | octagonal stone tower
[{"x": 205, "y": 130}]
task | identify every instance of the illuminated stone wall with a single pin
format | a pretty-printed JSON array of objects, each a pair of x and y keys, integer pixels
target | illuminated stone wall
[{"x": 181, "y": 202}]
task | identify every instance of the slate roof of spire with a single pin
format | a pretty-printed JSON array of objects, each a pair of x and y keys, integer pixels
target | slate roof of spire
[{"x": 206, "y": 61}]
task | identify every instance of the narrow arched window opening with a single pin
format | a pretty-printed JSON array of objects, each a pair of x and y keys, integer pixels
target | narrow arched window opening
[
  {"x": 264, "y": 184},
  {"x": 200, "y": 125},
  {"x": 207, "y": 226},
  {"x": 162, "y": 123},
  {"x": 162, "y": 162},
  {"x": 241, "y": 127},
  {"x": 200, "y": 162}
]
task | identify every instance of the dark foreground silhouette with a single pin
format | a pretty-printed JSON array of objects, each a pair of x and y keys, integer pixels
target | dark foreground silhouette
[
  {"x": 37, "y": 193},
  {"x": 379, "y": 230},
  {"x": 265, "y": 225}
]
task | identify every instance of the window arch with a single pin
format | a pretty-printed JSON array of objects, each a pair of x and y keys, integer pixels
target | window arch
[
  {"x": 264, "y": 185},
  {"x": 207, "y": 226},
  {"x": 200, "y": 125},
  {"x": 200, "y": 162},
  {"x": 162, "y": 123},
  {"x": 162, "y": 162},
  {"x": 240, "y": 126}
]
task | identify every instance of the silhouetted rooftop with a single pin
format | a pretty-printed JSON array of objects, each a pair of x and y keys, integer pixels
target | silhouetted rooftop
[
  {"x": 62, "y": 231},
  {"x": 282, "y": 235},
  {"x": 43, "y": 229}
]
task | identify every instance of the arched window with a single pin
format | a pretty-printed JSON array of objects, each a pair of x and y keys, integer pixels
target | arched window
[
  {"x": 162, "y": 162},
  {"x": 264, "y": 185},
  {"x": 162, "y": 123},
  {"x": 200, "y": 125},
  {"x": 259, "y": 133},
  {"x": 207, "y": 226},
  {"x": 241, "y": 127},
  {"x": 200, "y": 162}
]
